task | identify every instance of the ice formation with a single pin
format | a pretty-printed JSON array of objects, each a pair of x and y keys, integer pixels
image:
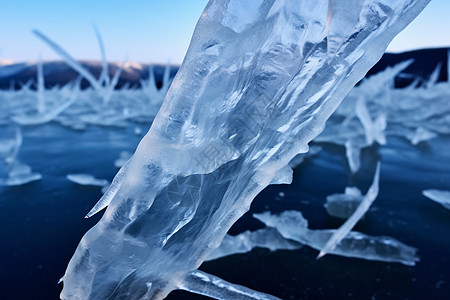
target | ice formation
[
  {"x": 258, "y": 83},
  {"x": 18, "y": 174},
  {"x": 362, "y": 208},
  {"x": 299, "y": 158},
  {"x": 345, "y": 205},
  {"x": 439, "y": 196},
  {"x": 12, "y": 171},
  {"x": 99, "y": 105},
  {"x": 375, "y": 110},
  {"x": 248, "y": 240},
  {"x": 292, "y": 225},
  {"x": 123, "y": 158},
  {"x": 87, "y": 179}
]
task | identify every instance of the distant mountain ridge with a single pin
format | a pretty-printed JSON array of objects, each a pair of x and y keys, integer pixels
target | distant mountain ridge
[
  {"x": 14, "y": 76},
  {"x": 425, "y": 62},
  {"x": 58, "y": 73}
]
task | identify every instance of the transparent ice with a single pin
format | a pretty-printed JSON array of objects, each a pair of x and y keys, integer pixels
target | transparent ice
[
  {"x": 13, "y": 172},
  {"x": 343, "y": 205},
  {"x": 258, "y": 83},
  {"x": 439, "y": 196},
  {"x": 248, "y": 240},
  {"x": 292, "y": 225},
  {"x": 86, "y": 179}
]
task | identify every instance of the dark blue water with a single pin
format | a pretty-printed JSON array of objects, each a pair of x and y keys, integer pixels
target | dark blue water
[{"x": 42, "y": 222}]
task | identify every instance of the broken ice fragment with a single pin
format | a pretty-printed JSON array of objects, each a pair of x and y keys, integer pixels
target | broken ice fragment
[
  {"x": 41, "y": 87},
  {"x": 439, "y": 196},
  {"x": 104, "y": 75},
  {"x": 245, "y": 242},
  {"x": 344, "y": 205},
  {"x": 353, "y": 154},
  {"x": 10, "y": 142},
  {"x": 86, "y": 179},
  {"x": 363, "y": 207},
  {"x": 293, "y": 226},
  {"x": 211, "y": 286},
  {"x": 69, "y": 59},
  {"x": 422, "y": 134},
  {"x": 37, "y": 119},
  {"x": 19, "y": 174},
  {"x": 374, "y": 129},
  {"x": 12, "y": 171}
]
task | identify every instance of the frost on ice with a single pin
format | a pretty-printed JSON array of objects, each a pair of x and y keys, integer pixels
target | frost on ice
[{"x": 257, "y": 85}]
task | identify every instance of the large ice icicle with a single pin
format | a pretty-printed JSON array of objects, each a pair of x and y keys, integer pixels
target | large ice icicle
[{"x": 257, "y": 84}]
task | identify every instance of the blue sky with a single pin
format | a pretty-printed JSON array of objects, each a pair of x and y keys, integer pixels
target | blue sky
[{"x": 148, "y": 30}]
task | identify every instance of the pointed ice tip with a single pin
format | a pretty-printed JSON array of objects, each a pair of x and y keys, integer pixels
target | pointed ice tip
[
  {"x": 92, "y": 212},
  {"x": 321, "y": 254},
  {"x": 61, "y": 279}
]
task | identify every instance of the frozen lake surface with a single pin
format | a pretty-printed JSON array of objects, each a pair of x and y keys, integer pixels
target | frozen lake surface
[{"x": 43, "y": 221}]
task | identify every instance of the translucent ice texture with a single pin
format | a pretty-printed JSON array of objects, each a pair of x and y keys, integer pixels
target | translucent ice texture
[
  {"x": 343, "y": 205},
  {"x": 19, "y": 173},
  {"x": 245, "y": 242},
  {"x": 292, "y": 225},
  {"x": 86, "y": 179},
  {"x": 375, "y": 110},
  {"x": 257, "y": 84},
  {"x": 359, "y": 212},
  {"x": 12, "y": 171},
  {"x": 439, "y": 196}
]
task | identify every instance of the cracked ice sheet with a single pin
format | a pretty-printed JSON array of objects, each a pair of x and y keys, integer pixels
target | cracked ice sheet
[
  {"x": 292, "y": 225},
  {"x": 242, "y": 105}
]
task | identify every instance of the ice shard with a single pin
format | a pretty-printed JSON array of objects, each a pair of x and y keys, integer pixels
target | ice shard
[
  {"x": 246, "y": 241},
  {"x": 343, "y": 205},
  {"x": 293, "y": 226},
  {"x": 86, "y": 179},
  {"x": 257, "y": 85},
  {"x": 439, "y": 196},
  {"x": 12, "y": 171},
  {"x": 359, "y": 212}
]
